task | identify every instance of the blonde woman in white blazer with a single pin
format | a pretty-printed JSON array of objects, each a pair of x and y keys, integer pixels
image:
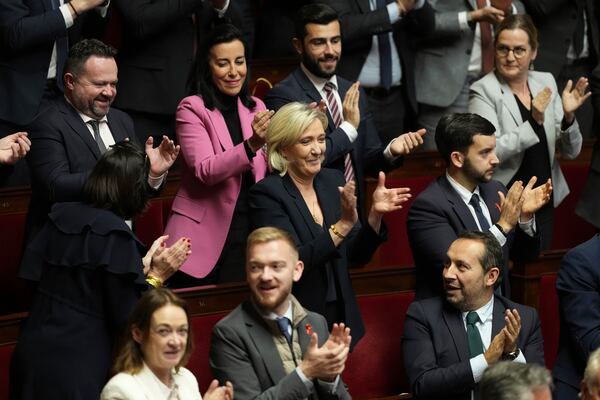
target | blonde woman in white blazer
[{"x": 533, "y": 120}]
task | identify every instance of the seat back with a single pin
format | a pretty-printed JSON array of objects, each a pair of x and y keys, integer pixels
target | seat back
[
  {"x": 375, "y": 368},
  {"x": 202, "y": 326},
  {"x": 5, "y": 355}
]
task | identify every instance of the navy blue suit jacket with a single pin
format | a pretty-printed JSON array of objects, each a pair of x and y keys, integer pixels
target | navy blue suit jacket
[
  {"x": 436, "y": 349},
  {"x": 436, "y": 218},
  {"x": 366, "y": 151},
  {"x": 63, "y": 153},
  {"x": 578, "y": 287},
  {"x": 276, "y": 201},
  {"x": 28, "y": 30}
]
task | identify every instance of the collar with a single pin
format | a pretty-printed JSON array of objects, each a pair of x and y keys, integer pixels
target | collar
[
  {"x": 462, "y": 191},
  {"x": 295, "y": 312},
  {"x": 85, "y": 118},
  {"x": 317, "y": 81},
  {"x": 485, "y": 312}
]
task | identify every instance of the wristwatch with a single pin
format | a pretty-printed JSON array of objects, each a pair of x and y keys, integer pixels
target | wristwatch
[{"x": 512, "y": 355}]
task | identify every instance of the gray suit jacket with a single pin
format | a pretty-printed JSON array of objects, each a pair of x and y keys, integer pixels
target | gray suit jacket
[
  {"x": 242, "y": 351},
  {"x": 443, "y": 57},
  {"x": 492, "y": 98}
]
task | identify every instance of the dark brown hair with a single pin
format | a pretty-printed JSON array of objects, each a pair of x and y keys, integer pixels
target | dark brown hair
[{"x": 519, "y": 21}]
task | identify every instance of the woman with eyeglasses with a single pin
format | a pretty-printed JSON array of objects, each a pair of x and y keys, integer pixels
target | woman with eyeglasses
[{"x": 533, "y": 120}]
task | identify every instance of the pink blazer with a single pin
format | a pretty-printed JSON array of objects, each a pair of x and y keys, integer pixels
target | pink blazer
[{"x": 210, "y": 180}]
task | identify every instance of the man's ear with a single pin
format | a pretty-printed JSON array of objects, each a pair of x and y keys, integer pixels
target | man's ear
[
  {"x": 457, "y": 159},
  {"x": 297, "y": 43},
  {"x": 298, "y": 269},
  {"x": 492, "y": 276},
  {"x": 69, "y": 80}
]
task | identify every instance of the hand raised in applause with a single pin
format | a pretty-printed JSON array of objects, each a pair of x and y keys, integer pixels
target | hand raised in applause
[
  {"x": 216, "y": 392},
  {"x": 534, "y": 199},
  {"x": 385, "y": 200},
  {"x": 325, "y": 362},
  {"x": 489, "y": 14},
  {"x": 162, "y": 157},
  {"x": 351, "y": 111},
  {"x": 539, "y": 104},
  {"x": 573, "y": 97},
  {"x": 407, "y": 142},
  {"x": 511, "y": 330},
  {"x": 14, "y": 147},
  {"x": 165, "y": 261},
  {"x": 260, "y": 124}
]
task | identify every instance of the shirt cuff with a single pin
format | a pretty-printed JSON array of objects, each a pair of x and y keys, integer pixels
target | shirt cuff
[
  {"x": 221, "y": 12},
  {"x": 521, "y": 358},
  {"x": 528, "y": 227},
  {"x": 65, "y": 10},
  {"x": 350, "y": 131},
  {"x": 463, "y": 20},
  {"x": 155, "y": 182},
  {"x": 307, "y": 382},
  {"x": 478, "y": 366},
  {"x": 498, "y": 235},
  {"x": 330, "y": 387},
  {"x": 393, "y": 12},
  {"x": 387, "y": 153}
]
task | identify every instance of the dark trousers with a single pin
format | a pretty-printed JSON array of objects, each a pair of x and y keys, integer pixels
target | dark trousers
[{"x": 389, "y": 109}]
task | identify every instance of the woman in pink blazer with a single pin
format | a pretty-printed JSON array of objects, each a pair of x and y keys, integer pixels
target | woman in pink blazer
[{"x": 221, "y": 132}]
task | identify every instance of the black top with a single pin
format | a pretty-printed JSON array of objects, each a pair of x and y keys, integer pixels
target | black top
[
  {"x": 89, "y": 267},
  {"x": 536, "y": 161}
]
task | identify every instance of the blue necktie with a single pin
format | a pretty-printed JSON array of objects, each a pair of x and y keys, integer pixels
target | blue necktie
[
  {"x": 283, "y": 323},
  {"x": 385, "y": 54},
  {"x": 483, "y": 222}
]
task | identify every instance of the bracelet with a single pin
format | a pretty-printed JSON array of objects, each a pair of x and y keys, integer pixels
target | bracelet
[
  {"x": 153, "y": 281},
  {"x": 336, "y": 232},
  {"x": 73, "y": 8}
]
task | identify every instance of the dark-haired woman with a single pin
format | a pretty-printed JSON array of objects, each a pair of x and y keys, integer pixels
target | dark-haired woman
[
  {"x": 91, "y": 275},
  {"x": 221, "y": 131}
]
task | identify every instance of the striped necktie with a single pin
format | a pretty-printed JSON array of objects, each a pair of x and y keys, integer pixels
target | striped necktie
[{"x": 337, "y": 120}]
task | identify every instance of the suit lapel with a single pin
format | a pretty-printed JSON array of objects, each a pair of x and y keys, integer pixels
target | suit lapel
[
  {"x": 78, "y": 127},
  {"x": 117, "y": 129},
  {"x": 457, "y": 330},
  {"x": 498, "y": 318},
  {"x": 458, "y": 205},
  {"x": 301, "y": 206},
  {"x": 263, "y": 340},
  {"x": 312, "y": 93},
  {"x": 509, "y": 101},
  {"x": 327, "y": 199},
  {"x": 220, "y": 128},
  {"x": 491, "y": 199}
]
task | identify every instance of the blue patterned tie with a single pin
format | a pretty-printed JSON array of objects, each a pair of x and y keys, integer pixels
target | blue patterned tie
[
  {"x": 483, "y": 222},
  {"x": 283, "y": 323}
]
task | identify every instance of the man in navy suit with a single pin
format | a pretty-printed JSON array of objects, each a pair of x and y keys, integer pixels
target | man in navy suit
[
  {"x": 578, "y": 287},
  {"x": 450, "y": 340},
  {"x": 318, "y": 41},
  {"x": 467, "y": 198},
  {"x": 34, "y": 42},
  {"x": 71, "y": 135}
]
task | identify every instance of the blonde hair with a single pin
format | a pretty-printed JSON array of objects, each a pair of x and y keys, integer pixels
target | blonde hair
[
  {"x": 269, "y": 234},
  {"x": 286, "y": 127}
]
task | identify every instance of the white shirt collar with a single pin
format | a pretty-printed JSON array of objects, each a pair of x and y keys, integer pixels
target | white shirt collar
[
  {"x": 464, "y": 193},
  {"x": 484, "y": 312},
  {"x": 317, "y": 81},
  {"x": 273, "y": 316}
]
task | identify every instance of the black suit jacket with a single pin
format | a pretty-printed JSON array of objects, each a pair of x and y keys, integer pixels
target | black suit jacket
[
  {"x": 28, "y": 30},
  {"x": 578, "y": 287},
  {"x": 556, "y": 21},
  {"x": 63, "y": 153},
  {"x": 366, "y": 151},
  {"x": 436, "y": 218},
  {"x": 436, "y": 349},
  {"x": 156, "y": 57},
  {"x": 276, "y": 201},
  {"x": 359, "y": 24}
]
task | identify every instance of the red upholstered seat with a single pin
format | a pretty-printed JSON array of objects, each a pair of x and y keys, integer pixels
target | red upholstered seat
[
  {"x": 15, "y": 294},
  {"x": 396, "y": 251},
  {"x": 569, "y": 229},
  {"x": 261, "y": 87},
  {"x": 202, "y": 330},
  {"x": 549, "y": 317},
  {"x": 375, "y": 367},
  {"x": 5, "y": 354}
]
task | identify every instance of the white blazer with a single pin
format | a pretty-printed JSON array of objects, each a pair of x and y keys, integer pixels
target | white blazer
[
  {"x": 146, "y": 386},
  {"x": 492, "y": 98}
]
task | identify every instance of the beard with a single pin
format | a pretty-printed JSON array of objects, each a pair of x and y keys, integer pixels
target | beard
[
  {"x": 472, "y": 173},
  {"x": 313, "y": 66}
]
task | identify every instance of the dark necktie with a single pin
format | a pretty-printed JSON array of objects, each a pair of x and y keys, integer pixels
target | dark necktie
[
  {"x": 96, "y": 128},
  {"x": 487, "y": 45},
  {"x": 385, "y": 54},
  {"x": 337, "y": 120},
  {"x": 483, "y": 222},
  {"x": 62, "y": 50},
  {"x": 579, "y": 29},
  {"x": 283, "y": 323},
  {"x": 475, "y": 343}
]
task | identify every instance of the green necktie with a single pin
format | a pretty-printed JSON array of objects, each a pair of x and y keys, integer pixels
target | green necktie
[{"x": 475, "y": 343}]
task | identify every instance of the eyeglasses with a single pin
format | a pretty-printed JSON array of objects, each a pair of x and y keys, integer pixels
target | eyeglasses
[{"x": 518, "y": 52}]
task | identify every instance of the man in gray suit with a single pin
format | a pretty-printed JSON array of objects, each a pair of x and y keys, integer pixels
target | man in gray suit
[
  {"x": 450, "y": 59},
  {"x": 270, "y": 347}
]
